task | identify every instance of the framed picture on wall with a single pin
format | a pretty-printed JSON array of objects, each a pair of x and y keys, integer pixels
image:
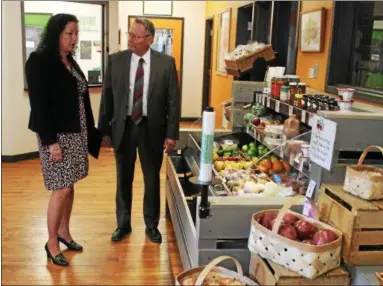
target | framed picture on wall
[
  {"x": 223, "y": 40},
  {"x": 164, "y": 8},
  {"x": 312, "y": 30}
]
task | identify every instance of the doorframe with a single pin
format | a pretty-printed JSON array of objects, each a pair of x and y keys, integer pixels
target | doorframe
[
  {"x": 206, "y": 98},
  {"x": 182, "y": 43}
]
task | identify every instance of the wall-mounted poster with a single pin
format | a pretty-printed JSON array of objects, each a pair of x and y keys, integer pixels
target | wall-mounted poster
[
  {"x": 86, "y": 50},
  {"x": 34, "y": 26},
  {"x": 98, "y": 46},
  {"x": 312, "y": 31},
  {"x": 223, "y": 41}
]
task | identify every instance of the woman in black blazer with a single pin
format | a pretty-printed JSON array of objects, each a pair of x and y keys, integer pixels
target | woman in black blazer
[{"x": 62, "y": 118}]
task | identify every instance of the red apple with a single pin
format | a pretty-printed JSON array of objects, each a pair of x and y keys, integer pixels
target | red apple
[{"x": 256, "y": 121}]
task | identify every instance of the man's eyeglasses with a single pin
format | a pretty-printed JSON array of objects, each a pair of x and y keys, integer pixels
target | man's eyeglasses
[{"x": 134, "y": 37}]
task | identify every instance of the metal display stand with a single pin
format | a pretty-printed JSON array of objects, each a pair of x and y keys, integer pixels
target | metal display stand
[{"x": 225, "y": 231}]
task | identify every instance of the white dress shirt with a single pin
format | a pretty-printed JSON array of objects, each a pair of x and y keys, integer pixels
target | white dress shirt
[{"x": 133, "y": 69}]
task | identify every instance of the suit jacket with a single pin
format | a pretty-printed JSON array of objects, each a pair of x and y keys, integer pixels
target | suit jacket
[
  {"x": 163, "y": 98},
  {"x": 53, "y": 97}
]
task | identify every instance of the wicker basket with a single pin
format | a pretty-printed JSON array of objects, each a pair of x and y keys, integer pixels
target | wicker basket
[
  {"x": 245, "y": 62},
  {"x": 307, "y": 260},
  {"x": 362, "y": 184},
  {"x": 212, "y": 274},
  {"x": 231, "y": 64},
  {"x": 268, "y": 53},
  {"x": 232, "y": 71}
]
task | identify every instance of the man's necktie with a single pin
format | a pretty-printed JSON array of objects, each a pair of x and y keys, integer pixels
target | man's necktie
[{"x": 138, "y": 93}]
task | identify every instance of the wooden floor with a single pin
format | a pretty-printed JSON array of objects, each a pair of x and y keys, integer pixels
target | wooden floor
[{"x": 134, "y": 261}]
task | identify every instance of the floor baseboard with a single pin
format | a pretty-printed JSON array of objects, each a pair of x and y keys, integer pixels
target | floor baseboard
[{"x": 19, "y": 157}]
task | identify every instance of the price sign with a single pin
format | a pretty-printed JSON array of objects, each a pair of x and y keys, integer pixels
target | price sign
[
  {"x": 291, "y": 110},
  {"x": 311, "y": 189},
  {"x": 311, "y": 120},
  {"x": 303, "y": 117},
  {"x": 277, "y": 105},
  {"x": 307, "y": 211}
]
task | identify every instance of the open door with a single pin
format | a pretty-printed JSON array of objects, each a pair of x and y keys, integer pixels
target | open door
[
  {"x": 168, "y": 39},
  {"x": 207, "y": 66}
]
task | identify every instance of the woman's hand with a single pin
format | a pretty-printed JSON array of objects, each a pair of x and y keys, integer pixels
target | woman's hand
[{"x": 55, "y": 152}]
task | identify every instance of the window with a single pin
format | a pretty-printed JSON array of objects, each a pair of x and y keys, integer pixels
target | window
[
  {"x": 357, "y": 49},
  {"x": 91, "y": 44}
]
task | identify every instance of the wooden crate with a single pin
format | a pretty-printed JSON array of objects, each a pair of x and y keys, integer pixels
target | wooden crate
[
  {"x": 266, "y": 272},
  {"x": 360, "y": 221}
]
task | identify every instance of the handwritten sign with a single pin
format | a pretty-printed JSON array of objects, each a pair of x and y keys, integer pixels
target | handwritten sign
[{"x": 322, "y": 142}]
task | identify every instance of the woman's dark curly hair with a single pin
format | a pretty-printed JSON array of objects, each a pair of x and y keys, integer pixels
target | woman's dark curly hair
[{"x": 50, "y": 38}]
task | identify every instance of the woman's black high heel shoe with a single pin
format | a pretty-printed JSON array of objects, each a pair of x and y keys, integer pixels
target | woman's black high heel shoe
[
  {"x": 71, "y": 245},
  {"x": 59, "y": 259}
]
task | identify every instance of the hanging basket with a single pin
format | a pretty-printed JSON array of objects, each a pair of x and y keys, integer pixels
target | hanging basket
[{"x": 245, "y": 62}]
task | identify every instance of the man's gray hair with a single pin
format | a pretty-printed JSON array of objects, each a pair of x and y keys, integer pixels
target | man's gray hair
[{"x": 149, "y": 27}]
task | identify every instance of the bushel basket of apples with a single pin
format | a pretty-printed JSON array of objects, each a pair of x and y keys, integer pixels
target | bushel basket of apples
[
  {"x": 211, "y": 274},
  {"x": 302, "y": 244}
]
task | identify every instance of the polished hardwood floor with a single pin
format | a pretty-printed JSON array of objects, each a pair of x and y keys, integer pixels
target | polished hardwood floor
[{"x": 133, "y": 261}]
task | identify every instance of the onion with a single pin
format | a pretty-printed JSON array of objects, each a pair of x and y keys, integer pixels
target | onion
[
  {"x": 305, "y": 230},
  {"x": 288, "y": 231},
  {"x": 290, "y": 218},
  {"x": 259, "y": 219},
  {"x": 324, "y": 236},
  {"x": 266, "y": 221}
]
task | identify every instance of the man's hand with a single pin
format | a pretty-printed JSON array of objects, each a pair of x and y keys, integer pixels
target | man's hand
[
  {"x": 169, "y": 145},
  {"x": 106, "y": 142}
]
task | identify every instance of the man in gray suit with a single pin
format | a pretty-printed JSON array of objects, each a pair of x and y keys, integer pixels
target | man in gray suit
[{"x": 140, "y": 109}]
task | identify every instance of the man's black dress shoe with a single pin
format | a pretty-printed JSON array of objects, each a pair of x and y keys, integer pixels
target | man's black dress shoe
[
  {"x": 120, "y": 233},
  {"x": 154, "y": 235},
  {"x": 72, "y": 245}
]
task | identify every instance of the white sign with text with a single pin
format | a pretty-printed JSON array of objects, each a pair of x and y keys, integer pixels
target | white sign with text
[{"x": 322, "y": 142}]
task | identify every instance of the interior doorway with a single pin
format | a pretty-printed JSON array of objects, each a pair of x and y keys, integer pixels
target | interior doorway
[{"x": 207, "y": 66}]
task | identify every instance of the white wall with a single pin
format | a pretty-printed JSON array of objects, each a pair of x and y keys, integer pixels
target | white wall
[
  {"x": 16, "y": 138},
  {"x": 194, "y": 34}
]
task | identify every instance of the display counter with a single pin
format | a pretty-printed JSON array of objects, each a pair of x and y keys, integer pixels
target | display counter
[{"x": 225, "y": 230}]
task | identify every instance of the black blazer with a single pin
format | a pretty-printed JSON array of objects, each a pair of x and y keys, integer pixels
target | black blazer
[{"x": 54, "y": 103}]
